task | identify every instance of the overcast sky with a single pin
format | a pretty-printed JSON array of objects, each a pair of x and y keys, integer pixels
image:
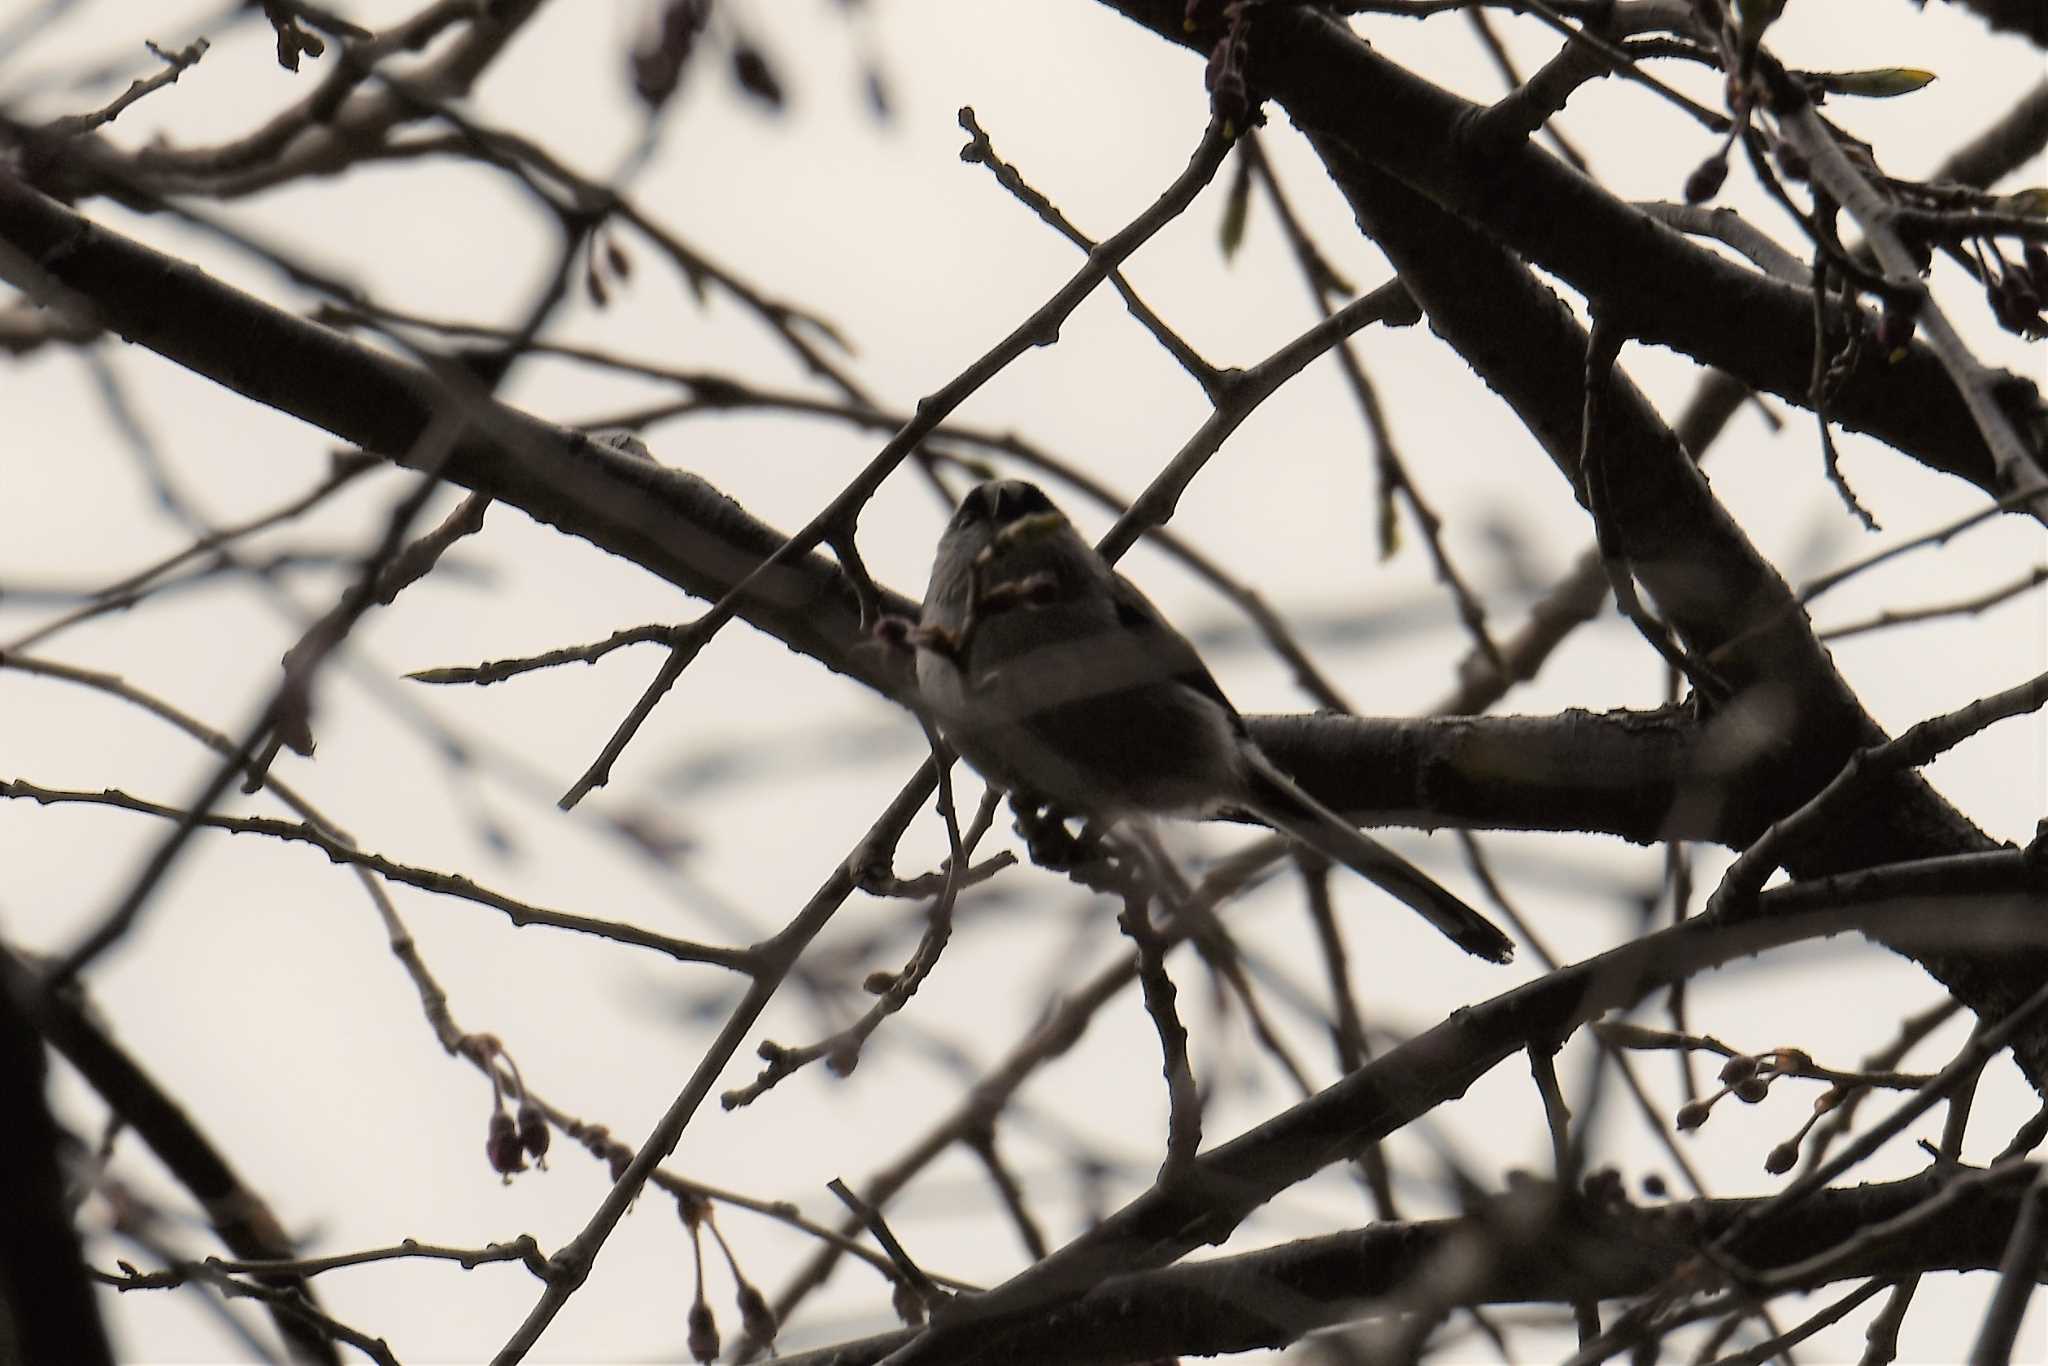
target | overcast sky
[{"x": 259, "y": 987}]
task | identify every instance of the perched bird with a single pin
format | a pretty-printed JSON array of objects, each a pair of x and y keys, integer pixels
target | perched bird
[{"x": 1055, "y": 678}]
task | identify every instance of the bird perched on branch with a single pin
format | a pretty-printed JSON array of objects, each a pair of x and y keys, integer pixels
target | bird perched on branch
[{"x": 1057, "y": 679}]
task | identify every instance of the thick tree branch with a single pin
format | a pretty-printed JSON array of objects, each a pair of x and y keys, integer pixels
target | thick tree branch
[
  {"x": 47, "y": 1311},
  {"x": 240, "y": 1216},
  {"x": 674, "y": 524},
  {"x": 1676, "y": 293},
  {"x": 1529, "y": 1250},
  {"x": 1630, "y": 767},
  {"x": 1790, "y": 714},
  {"x": 1982, "y": 903},
  {"x": 1638, "y": 775}
]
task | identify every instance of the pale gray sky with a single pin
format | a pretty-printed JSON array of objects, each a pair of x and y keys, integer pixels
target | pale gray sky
[{"x": 259, "y": 987}]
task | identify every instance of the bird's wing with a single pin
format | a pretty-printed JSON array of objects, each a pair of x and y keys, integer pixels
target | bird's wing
[{"x": 1176, "y": 656}]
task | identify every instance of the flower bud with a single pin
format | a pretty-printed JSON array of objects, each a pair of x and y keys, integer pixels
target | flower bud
[
  {"x": 755, "y": 1316},
  {"x": 703, "y": 1339},
  {"x": 502, "y": 1146},
  {"x": 533, "y": 1130},
  {"x": 1706, "y": 178}
]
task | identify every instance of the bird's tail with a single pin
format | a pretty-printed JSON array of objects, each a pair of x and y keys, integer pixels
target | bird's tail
[{"x": 1278, "y": 801}]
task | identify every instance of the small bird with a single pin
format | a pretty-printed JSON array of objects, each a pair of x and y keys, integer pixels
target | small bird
[{"x": 1057, "y": 679}]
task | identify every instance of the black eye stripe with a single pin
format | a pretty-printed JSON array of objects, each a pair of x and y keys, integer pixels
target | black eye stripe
[{"x": 1002, "y": 501}]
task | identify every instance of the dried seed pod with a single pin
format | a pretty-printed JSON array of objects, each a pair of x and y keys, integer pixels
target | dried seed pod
[
  {"x": 1707, "y": 178},
  {"x": 502, "y": 1145},
  {"x": 703, "y": 1340}
]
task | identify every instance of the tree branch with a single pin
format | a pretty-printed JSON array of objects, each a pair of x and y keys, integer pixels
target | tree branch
[
  {"x": 1275, "y": 1296},
  {"x": 1680, "y": 295},
  {"x": 1986, "y": 902}
]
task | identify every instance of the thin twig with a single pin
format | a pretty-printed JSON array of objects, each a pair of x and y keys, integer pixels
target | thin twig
[
  {"x": 521, "y": 1249},
  {"x": 1039, "y": 329},
  {"x": 2017, "y": 466},
  {"x": 841, "y": 1049},
  {"x": 131, "y": 589},
  {"x": 175, "y": 64},
  {"x": 288, "y": 698},
  {"x": 498, "y": 670},
  {"x": 1985, "y": 1043},
  {"x": 1919, "y": 745},
  {"x": 1964, "y": 607},
  {"x": 913, "y": 1275},
  {"x": 1184, "y": 1101},
  {"x": 980, "y": 150},
  {"x": 340, "y": 851},
  {"x": 1779, "y": 1345},
  {"x": 1394, "y": 476},
  {"x": 571, "y": 1265},
  {"x": 2019, "y": 1272}
]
